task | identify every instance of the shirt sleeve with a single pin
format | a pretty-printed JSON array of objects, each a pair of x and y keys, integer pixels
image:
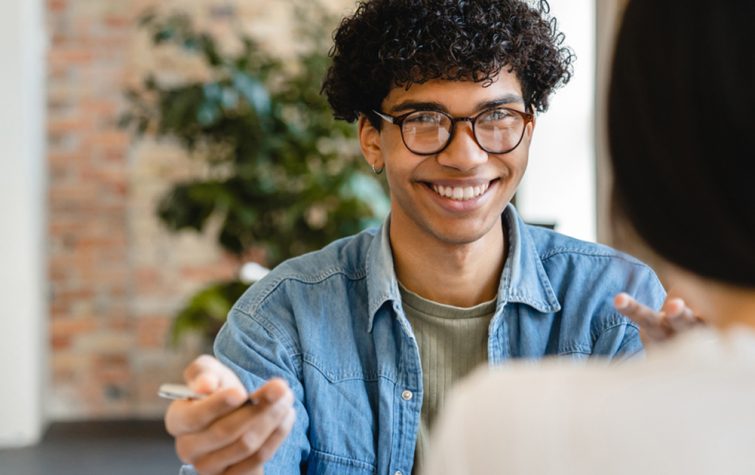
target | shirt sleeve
[
  {"x": 621, "y": 339},
  {"x": 257, "y": 349}
]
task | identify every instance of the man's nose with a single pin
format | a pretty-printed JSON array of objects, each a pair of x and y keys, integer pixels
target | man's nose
[{"x": 463, "y": 153}]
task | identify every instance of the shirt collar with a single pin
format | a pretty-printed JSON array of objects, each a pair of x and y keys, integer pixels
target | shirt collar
[
  {"x": 382, "y": 284},
  {"x": 523, "y": 279}
]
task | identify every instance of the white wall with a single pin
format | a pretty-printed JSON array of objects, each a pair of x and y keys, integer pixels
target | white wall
[
  {"x": 559, "y": 186},
  {"x": 23, "y": 299}
]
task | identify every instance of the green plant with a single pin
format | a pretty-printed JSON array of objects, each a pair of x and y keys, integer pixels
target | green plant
[{"x": 282, "y": 176}]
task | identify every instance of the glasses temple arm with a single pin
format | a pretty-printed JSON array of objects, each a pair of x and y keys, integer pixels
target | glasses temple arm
[{"x": 385, "y": 117}]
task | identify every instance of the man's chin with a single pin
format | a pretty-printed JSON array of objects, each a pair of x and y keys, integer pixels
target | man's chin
[{"x": 460, "y": 234}]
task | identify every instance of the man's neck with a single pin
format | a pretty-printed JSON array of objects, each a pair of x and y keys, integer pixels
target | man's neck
[{"x": 462, "y": 275}]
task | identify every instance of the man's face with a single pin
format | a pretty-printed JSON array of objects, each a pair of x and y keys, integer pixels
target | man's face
[{"x": 420, "y": 185}]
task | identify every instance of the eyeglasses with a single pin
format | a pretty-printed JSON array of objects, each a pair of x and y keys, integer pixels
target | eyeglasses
[{"x": 425, "y": 132}]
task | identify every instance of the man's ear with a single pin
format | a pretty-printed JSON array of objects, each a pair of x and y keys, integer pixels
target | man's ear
[
  {"x": 530, "y": 127},
  {"x": 369, "y": 142}
]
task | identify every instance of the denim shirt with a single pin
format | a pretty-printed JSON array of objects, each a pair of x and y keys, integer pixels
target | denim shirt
[{"x": 331, "y": 323}]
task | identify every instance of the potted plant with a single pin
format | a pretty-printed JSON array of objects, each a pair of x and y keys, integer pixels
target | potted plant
[{"x": 282, "y": 176}]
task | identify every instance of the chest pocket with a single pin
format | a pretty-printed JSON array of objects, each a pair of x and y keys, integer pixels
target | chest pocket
[
  {"x": 322, "y": 463},
  {"x": 341, "y": 401}
]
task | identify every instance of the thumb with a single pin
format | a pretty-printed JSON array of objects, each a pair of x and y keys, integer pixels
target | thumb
[
  {"x": 205, "y": 382},
  {"x": 206, "y": 375}
]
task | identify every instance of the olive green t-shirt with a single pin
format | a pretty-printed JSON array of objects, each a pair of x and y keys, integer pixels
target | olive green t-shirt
[{"x": 452, "y": 342}]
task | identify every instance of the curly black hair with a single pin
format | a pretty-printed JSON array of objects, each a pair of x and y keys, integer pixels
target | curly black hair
[{"x": 390, "y": 43}]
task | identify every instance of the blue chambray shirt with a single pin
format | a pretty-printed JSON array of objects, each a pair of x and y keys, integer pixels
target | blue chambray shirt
[{"x": 331, "y": 324}]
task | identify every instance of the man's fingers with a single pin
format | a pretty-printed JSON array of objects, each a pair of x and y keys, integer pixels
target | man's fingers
[
  {"x": 644, "y": 316},
  {"x": 184, "y": 417},
  {"x": 271, "y": 391},
  {"x": 253, "y": 423},
  {"x": 250, "y": 438},
  {"x": 235, "y": 437},
  {"x": 196, "y": 447},
  {"x": 223, "y": 428},
  {"x": 679, "y": 316},
  {"x": 673, "y": 318},
  {"x": 245, "y": 470},
  {"x": 267, "y": 450},
  {"x": 254, "y": 463},
  {"x": 674, "y": 307}
]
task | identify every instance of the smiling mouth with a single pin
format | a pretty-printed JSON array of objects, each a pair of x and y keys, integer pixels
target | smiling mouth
[{"x": 460, "y": 193}]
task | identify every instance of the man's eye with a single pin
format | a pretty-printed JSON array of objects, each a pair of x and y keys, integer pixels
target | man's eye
[
  {"x": 424, "y": 118},
  {"x": 498, "y": 114}
]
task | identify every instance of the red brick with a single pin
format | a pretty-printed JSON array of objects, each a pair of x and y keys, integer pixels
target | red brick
[
  {"x": 152, "y": 332},
  {"x": 71, "y": 55},
  {"x": 57, "y": 6},
  {"x": 118, "y": 22},
  {"x": 111, "y": 284}
]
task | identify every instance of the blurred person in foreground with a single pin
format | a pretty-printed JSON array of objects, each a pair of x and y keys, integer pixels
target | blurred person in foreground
[
  {"x": 348, "y": 351},
  {"x": 682, "y": 141}
]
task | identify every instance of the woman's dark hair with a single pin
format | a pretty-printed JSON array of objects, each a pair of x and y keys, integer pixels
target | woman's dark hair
[
  {"x": 390, "y": 43},
  {"x": 682, "y": 133}
]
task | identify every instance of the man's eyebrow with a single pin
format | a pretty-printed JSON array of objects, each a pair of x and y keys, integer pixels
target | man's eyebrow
[
  {"x": 424, "y": 106},
  {"x": 501, "y": 101},
  {"x": 436, "y": 106}
]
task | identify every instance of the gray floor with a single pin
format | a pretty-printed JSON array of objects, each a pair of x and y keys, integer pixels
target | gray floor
[{"x": 96, "y": 448}]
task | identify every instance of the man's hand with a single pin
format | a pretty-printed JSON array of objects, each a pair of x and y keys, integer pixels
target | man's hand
[
  {"x": 674, "y": 317},
  {"x": 229, "y": 432}
]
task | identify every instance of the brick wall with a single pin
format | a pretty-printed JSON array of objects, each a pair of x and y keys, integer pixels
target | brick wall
[{"x": 116, "y": 275}]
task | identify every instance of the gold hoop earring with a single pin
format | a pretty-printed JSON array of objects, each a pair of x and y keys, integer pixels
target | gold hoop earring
[{"x": 378, "y": 171}]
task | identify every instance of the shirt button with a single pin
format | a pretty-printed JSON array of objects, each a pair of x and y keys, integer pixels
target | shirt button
[
  {"x": 406, "y": 395},
  {"x": 398, "y": 472}
]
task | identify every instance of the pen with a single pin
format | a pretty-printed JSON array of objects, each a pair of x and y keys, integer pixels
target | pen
[
  {"x": 183, "y": 393},
  {"x": 178, "y": 391}
]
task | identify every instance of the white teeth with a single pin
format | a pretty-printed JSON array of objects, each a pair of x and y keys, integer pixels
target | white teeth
[{"x": 460, "y": 193}]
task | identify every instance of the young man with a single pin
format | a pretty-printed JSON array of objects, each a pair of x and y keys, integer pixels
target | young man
[{"x": 350, "y": 350}]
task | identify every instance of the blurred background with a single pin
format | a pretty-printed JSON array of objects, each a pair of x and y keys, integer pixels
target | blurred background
[{"x": 152, "y": 149}]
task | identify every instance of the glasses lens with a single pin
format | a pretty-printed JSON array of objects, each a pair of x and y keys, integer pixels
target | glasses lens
[
  {"x": 426, "y": 131},
  {"x": 499, "y": 130}
]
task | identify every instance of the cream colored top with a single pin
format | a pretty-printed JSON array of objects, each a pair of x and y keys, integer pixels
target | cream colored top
[{"x": 687, "y": 408}]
